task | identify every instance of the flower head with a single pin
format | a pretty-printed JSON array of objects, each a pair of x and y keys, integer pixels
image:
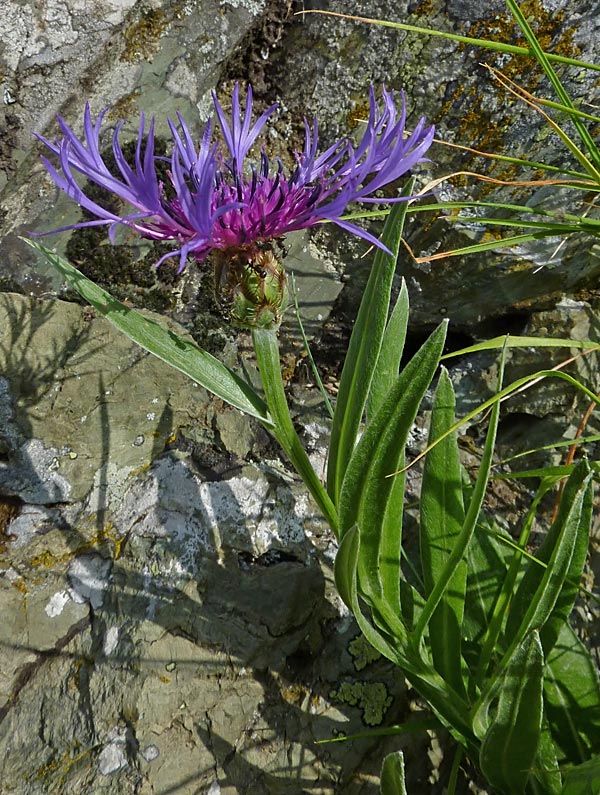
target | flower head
[{"x": 217, "y": 200}]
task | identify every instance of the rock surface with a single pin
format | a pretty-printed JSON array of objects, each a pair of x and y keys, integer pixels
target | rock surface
[{"x": 169, "y": 614}]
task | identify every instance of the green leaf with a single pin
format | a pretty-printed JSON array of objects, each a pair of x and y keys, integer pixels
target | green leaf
[
  {"x": 540, "y": 592},
  {"x": 392, "y": 774},
  {"x": 266, "y": 349},
  {"x": 487, "y": 564},
  {"x": 191, "y": 360},
  {"x": 447, "y": 705},
  {"x": 369, "y": 497},
  {"x": 540, "y": 587},
  {"x": 363, "y": 351},
  {"x": 583, "y": 779},
  {"x": 546, "y": 776},
  {"x": 572, "y": 697},
  {"x": 464, "y": 538},
  {"x": 570, "y": 590},
  {"x": 510, "y": 745},
  {"x": 523, "y": 342},
  {"x": 388, "y": 363},
  {"x": 442, "y": 517}
]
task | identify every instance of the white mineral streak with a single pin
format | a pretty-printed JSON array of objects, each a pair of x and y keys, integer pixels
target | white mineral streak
[{"x": 57, "y": 604}]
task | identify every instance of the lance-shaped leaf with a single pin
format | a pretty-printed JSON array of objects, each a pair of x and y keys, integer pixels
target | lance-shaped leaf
[
  {"x": 392, "y": 775},
  {"x": 370, "y": 498},
  {"x": 442, "y": 517},
  {"x": 510, "y": 745},
  {"x": 191, "y": 360},
  {"x": 572, "y": 697},
  {"x": 392, "y": 347},
  {"x": 583, "y": 779},
  {"x": 547, "y": 592},
  {"x": 363, "y": 351}
]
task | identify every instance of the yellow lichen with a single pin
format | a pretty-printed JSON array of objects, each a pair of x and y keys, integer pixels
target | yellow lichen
[{"x": 141, "y": 38}]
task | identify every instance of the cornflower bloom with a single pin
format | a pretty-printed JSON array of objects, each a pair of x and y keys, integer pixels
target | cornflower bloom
[{"x": 219, "y": 204}]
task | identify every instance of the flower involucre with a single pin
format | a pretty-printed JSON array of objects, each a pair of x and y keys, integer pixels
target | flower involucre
[{"x": 218, "y": 201}]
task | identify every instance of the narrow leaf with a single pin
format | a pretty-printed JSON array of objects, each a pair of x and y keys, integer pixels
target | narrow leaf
[
  {"x": 572, "y": 697},
  {"x": 184, "y": 356},
  {"x": 523, "y": 342},
  {"x": 388, "y": 363},
  {"x": 392, "y": 774},
  {"x": 544, "y": 61},
  {"x": 442, "y": 517},
  {"x": 363, "y": 351},
  {"x": 510, "y": 745},
  {"x": 570, "y": 590},
  {"x": 369, "y": 496},
  {"x": 539, "y": 590}
]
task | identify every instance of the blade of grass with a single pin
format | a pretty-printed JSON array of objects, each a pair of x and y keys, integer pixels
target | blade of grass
[
  {"x": 544, "y": 61},
  {"x": 313, "y": 366},
  {"x": 484, "y": 43}
]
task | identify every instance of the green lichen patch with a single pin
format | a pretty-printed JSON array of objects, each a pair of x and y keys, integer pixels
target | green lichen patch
[
  {"x": 371, "y": 697},
  {"x": 362, "y": 652}
]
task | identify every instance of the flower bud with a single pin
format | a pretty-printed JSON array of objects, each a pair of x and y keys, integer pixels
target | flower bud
[{"x": 251, "y": 285}]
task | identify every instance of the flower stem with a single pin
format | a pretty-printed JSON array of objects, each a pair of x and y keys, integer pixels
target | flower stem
[{"x": 266, "y": 349}]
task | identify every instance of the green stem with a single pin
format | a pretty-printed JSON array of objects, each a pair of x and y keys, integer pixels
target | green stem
[{"x": 266, "y": 349}]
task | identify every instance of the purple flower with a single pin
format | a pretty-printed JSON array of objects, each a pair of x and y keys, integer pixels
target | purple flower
[{"x": 217, "y": 200}]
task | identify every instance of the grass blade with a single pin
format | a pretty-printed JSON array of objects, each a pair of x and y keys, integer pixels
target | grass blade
[
  {"x": 544, "y": 61},
  {"x": 488, "y": 44}
]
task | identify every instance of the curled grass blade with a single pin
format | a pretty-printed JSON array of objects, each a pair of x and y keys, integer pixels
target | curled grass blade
[
  {"x": 524, "y": 342},
  {"x": 520, "y": 385}
]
